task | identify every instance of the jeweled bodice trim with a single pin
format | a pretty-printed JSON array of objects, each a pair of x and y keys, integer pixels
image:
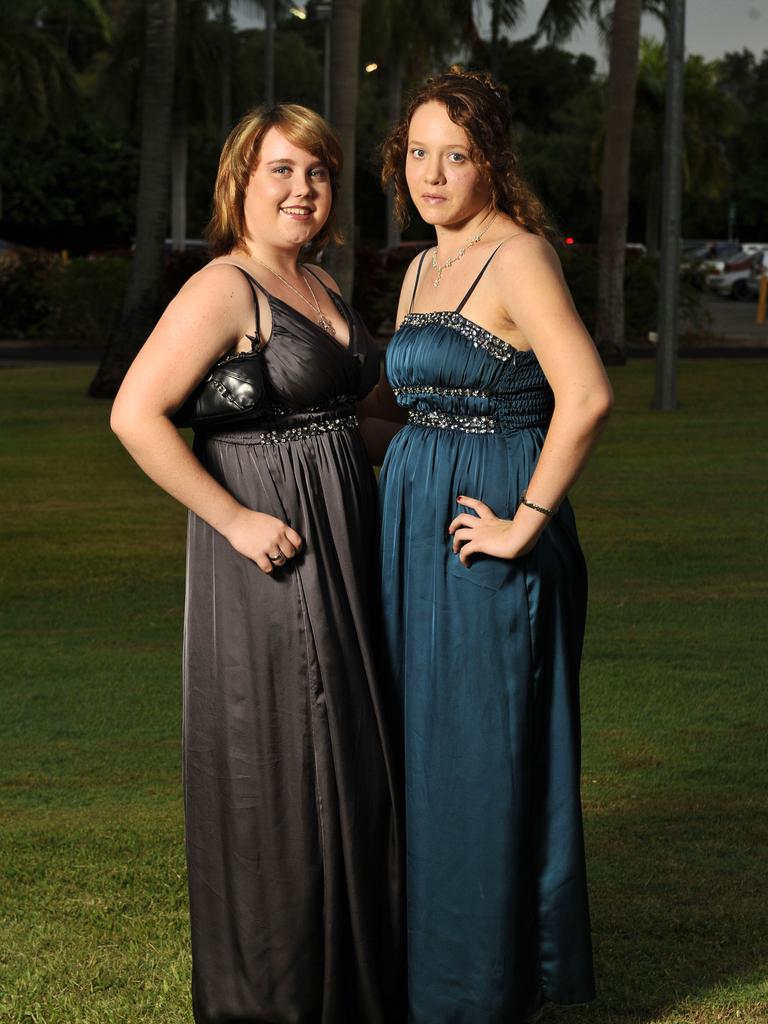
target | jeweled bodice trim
[
  {"x": 450, "y": 373},
  {"x": 477, "y": 335}
]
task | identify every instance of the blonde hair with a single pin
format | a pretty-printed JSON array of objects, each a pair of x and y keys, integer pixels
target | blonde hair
[
  {"x": 301, "y": 127},
  {"x": 480, "y": 106}
]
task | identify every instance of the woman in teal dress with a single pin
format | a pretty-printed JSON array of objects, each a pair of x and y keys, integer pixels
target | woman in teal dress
[{"x": 483, "y": 578}]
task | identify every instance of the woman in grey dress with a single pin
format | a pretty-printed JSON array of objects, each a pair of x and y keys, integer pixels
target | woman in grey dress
[{"x": 291, "y": 826}]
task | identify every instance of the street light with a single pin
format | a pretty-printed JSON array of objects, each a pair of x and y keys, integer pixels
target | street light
[
  {"x": 299, "y": 12},
  {"x": 373, "y": 66}
]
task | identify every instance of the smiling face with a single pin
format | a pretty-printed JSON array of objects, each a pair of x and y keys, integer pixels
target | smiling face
[
  {"x": 288, "y": 198},
  {"x": 447, "y": 188}
]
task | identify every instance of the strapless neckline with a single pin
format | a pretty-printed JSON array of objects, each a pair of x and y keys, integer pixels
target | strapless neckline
[{"x": 469, "y": 329}]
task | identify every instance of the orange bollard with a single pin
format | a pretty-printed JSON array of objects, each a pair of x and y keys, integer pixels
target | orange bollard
[{"x": 762, "y": 299}]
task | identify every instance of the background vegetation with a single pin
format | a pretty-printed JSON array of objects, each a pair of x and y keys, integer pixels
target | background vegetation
[
  {"x": 93, "y": 893},
  {"x": 71, "y": 94},
  {"x": 74, "y": 185}
]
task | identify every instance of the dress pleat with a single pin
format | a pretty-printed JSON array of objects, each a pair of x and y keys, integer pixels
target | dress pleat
[
  {"x": 486, "y": 662},
  {"x": 291, "y": 792}
]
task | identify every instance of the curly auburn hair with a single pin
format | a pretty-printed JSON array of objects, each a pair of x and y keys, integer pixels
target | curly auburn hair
[
  {"x": 480, "y": 106},
  {"x": 300, "y": 126}
]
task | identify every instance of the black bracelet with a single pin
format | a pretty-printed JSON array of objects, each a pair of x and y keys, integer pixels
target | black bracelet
[{"x": 536, "y": 508}]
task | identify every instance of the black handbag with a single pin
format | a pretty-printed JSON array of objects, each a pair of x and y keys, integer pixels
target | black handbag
[{"x": 232, "y": 390}]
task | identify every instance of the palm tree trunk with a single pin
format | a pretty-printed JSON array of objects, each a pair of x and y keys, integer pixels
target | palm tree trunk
[
  {"x": 395, "y": 98},
  {"x": 226, "y": 69},
  {"x": 672, "y": 177},
  {"x": 269, "y": 52},
  {"x": 140, "y": 308},
  {"x": 652, "y": 213},
  {"x": 179, "y": 151},
  {"x": 622, "y": 81},
  {"x": 495, "y": 27},
  {"x": 345, "y": 59}
]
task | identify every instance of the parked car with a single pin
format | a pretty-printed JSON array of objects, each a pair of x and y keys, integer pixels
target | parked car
[
  {"x": 733, "y": 281},
  {"x": 711, "y": 257},
  {"x": 759, "y": 268}
]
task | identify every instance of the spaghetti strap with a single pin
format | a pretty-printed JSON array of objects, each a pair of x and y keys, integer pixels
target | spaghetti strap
[
  {"x": 331, "y": 291},
  {"x": 477, "y": 279},
  {"x": 309, "y": 270},
  {"x": 416, "y": 282}
]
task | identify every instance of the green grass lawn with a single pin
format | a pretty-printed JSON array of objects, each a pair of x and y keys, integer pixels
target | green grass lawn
[{"x": 673, "y": 519}]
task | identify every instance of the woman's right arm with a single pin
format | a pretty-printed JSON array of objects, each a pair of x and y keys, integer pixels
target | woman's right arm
[{"x": 208, "y": 317}]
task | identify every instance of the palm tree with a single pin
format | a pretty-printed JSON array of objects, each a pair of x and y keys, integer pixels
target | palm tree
[
  {"x": 272, "y": 10},
  {"x": 200, "y": 43},
  {"x": 345, "y": 60},
  {"x": 622, "y": 28},
  {"x": 226, "y": 69},
  {"x": 408, "y": 53},
  {"x": 504, "y": 14},
  {"x": 140, "y": 308},
  {"x": 711, "y": 117},
  {"x": 615, "y": 177},
  {"x": 37, "y": 79}
]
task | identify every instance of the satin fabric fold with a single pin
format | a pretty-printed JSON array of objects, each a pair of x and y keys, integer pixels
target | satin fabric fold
[
  {"x": 291, "y": 786},
  {"x": 486, "y": 661}
]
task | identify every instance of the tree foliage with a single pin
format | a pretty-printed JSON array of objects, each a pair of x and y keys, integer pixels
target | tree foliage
[
  {"x": 38, "y": 75},
  {"x": 69, "y": 86}
]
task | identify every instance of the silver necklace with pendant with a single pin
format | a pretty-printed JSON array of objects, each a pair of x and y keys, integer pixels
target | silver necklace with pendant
[
  {"x": 322, "y": 319},
  {"x": 438, "y": 269}
]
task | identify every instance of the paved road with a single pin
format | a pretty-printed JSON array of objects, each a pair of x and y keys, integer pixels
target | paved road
[{"x": 735, "y": 321}]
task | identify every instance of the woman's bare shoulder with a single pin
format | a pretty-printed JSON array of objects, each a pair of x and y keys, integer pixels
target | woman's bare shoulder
[
  {"x": 215, "y": 284},
  {"x": 526, "y": 246}
]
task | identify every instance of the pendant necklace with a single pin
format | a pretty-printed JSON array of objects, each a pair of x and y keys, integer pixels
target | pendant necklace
[
  {"x": 438, "y": 269},
  {"x": 322, "y": 319}
]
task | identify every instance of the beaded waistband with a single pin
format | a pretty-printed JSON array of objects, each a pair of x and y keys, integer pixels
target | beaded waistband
[
  {"x": 453, "y": 421},
  {"x": 284, "y": 434},
  {"x": 440, "y": 391},
  {"x": 302, "y": 410}
]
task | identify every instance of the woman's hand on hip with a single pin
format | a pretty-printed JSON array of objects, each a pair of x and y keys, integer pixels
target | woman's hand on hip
[
  {"x": 486, "y": 534},
  {"x": 267, "y": 541}
]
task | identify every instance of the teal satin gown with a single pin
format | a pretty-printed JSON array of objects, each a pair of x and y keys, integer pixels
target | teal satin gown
[{"x": 486, "y": 661}]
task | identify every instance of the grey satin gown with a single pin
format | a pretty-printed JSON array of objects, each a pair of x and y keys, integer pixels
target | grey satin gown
[{"x": 290, "y": 783}]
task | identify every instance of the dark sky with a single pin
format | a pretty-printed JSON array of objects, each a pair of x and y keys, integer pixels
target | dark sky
[{"x": 713, "y": 27}]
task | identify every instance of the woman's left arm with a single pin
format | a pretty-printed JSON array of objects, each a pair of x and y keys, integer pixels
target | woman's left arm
[
  {"x": 536, "y": 299},
  {"x": 380, "y": 419}
]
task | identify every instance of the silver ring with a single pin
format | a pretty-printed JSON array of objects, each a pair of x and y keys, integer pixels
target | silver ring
[{"x": 276, "y": 558}]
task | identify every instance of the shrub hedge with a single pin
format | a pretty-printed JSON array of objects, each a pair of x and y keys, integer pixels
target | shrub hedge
[{"x": 44, "y": 295}]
